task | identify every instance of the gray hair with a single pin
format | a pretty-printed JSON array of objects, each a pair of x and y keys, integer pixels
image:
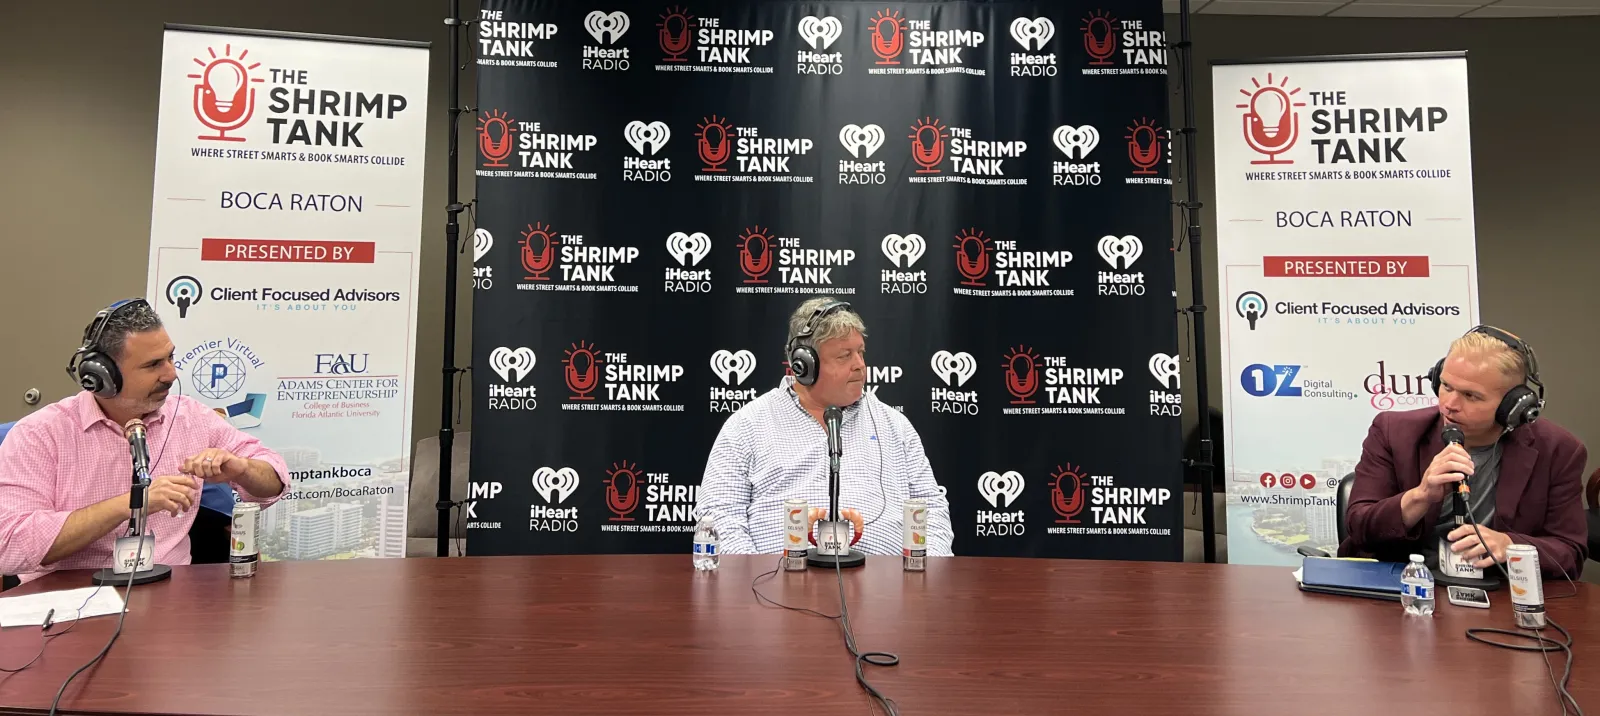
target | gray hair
[
  {"x": 134, "y": 318},
  {"x": 834, "y": 325}
]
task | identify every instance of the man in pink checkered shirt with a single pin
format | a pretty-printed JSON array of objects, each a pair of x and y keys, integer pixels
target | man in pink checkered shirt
[{"x": 65, "y": 470}]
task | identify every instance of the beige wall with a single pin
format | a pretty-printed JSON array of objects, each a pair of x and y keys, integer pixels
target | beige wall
[
  {"x": 77, "y": 129},
  {"x": 1533, "y": 170}
]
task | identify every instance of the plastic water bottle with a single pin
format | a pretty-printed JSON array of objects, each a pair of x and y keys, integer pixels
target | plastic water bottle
[
  {"x": 1416, "y": 588},
  {"x": 706, "y": 554}
]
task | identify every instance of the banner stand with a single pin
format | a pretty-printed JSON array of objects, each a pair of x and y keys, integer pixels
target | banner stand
[{"x": 452, "y": 235}]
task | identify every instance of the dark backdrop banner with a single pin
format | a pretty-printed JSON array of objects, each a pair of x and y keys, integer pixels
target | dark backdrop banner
[{"x": 987, "y": 182}]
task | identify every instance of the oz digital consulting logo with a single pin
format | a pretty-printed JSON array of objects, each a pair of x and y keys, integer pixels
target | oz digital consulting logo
[
  {"x": 183, "y": 292},
  {"x": 1250, "y": 306}
]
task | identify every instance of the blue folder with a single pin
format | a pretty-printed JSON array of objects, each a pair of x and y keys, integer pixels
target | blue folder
[{"x": 1374, "y": 580}]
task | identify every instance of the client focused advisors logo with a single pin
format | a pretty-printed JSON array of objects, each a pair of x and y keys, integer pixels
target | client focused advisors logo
[
  {"x": 972, "y": 159},
  {"x": 183, "y": 292},
  {"x": 1286, "y": 381},
  {"x": 931, "y": 51},
  {"x": 1075, "y": 143},
  {"x": 820, "y": 34},
  {"x": 1271, "y": 123},
  {"x": 1033, "y": 34},
  {"x": 607, "y": 29},
  {"x": 1112, "y": 509},
  {"x": 647, "y": 140},
  {"x": 1250, "y": 306},
  {"x": 733, "y": 367},
  {"x": 514, "y": 366},
  {"x": 584, "y": 265},
  {"x": 1120, "y": 253},
  {"x": 1001, "y": 490},
  {"x": 755, "y": 157},
  {"x": 861, "y": 142},
  {"x": 317, "y": 299},
  {"x": 1122, "y": 47},
  {"x": 482, "y": 276},
  {"x": 217, "y": 369},
  {"x": 708, "y": 44},
  {"x": 903, "y": 253},
  {"x": 507, "y": 42},
  {"x": 800, "y": 269},
  {"x": 993, "y": 268},
  {"x": 688, "y": 250},
  {"x": 1068, "y": 389},
  {"x": 554, "y": 487},
  {"x": 628, "y": 386},
  {"x": 955, "y": 369},
  {"x": 1167, "y": 370}
]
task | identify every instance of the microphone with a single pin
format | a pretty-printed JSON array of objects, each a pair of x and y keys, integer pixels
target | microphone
[
  {"x": 833, "y": 548},
  {"x": 130, "y": 552},
  {"x": 134, "y": 432},
  {"x": 1452, "y": 435}
]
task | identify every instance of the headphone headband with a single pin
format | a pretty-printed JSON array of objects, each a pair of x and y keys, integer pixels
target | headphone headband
[
  {"x": 90, "y": 366},
  {"x": 816, "y": 317},
  {"x": 1530, "y": 363}
]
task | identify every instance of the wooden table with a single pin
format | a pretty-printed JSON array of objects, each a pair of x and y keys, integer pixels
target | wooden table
[{"x": 647, "y": 635}]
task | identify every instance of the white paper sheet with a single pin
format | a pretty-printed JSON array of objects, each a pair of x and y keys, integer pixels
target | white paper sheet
[{"x": 69, "y": 604}]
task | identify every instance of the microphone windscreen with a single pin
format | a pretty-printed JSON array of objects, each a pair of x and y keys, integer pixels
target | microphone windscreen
[
  {"x": 1452, "y": 434},
  {"x": 131, "y": 425},
  {"x": 833, "y": 414}
]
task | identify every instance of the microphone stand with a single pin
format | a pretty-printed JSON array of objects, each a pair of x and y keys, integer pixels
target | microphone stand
[
  {"x": 138, "y": 529},
  {"x": 833, "y": 534},
  {"x": 1489, "y": 582}
]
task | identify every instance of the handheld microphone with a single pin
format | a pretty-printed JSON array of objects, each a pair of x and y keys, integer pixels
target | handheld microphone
[
  {"x": 134, "y": 432},
  {"x": 1452, "y": 435}
]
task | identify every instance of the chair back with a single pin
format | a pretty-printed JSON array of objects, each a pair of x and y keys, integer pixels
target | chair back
[
  {"x": 1592, "y": 491},
  {"x": 1346, "y": 483},
  {"x": 5, "y": 428}
]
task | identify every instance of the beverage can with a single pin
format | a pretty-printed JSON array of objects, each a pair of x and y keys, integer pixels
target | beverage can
[
  {"x": 795, "y": 515},
  {"x": 243, "y": 555},
  {"x": 1527, "y": 586},
  {"x": 914, "y": 536}
]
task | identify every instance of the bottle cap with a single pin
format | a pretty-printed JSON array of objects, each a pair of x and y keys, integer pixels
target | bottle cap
[{"x": 1416, "y": 558}]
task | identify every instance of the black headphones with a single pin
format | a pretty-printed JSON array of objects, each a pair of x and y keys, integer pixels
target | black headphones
[
  {"x": 802, "y": 352},
  {"x": 1522, "y": 404},
  {"x": 91, "y": 366}
]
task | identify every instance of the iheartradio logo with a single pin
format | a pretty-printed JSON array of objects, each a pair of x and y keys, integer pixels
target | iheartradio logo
[
  {"x": 688, "y": 249},
  {"x": 1032, "y": 33},
  {"x": 512, "y": 364},
  {"x": 1127, "y": 248},
  {"x": 733, "y": 367},
  {"x": 482, "y": 241},
  {"x": 861, "y": 141},
  {"x": 1165, "y": 369},
  {"x": 647, "y": 139},
  {"x": 908, "y": 248},
  {"x": 1075, "y": 142},
  {"x": 1000, "y": 488},
  {"x": 223, "y": 97},
  {"x": 606, "y": 28},
  {"x": 554, "y": 485},
  {"x": 1271, "y": 124},
  {"x": 820, "y": 32},
  {"x": 954, "y": 368}
]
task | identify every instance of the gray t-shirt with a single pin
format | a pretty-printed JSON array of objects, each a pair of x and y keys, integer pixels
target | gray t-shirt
[{"x": 1486, "y": 473}]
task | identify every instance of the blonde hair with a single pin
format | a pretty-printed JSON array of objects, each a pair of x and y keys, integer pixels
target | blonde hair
[{"x": 1481, "y": 347}]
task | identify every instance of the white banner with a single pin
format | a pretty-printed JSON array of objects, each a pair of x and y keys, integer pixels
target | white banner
[
  {"x": 284, "y": 245},
  {"x": 1346, "y": 265}
]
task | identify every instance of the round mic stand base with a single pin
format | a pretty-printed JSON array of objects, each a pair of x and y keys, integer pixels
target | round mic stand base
[
  {"x": 109, "y": 576},
  {"x": 816, "y": 558},
  {"x": 1487, "y": 584}
]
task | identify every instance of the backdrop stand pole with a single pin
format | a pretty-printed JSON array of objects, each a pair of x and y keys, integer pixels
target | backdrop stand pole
[
  {"x": 1197, "y": 312},
  {"x": 452, "y": 231}
]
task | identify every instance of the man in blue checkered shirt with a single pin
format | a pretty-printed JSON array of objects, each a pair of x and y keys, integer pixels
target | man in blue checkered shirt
[{"x": 776, "y": 447}]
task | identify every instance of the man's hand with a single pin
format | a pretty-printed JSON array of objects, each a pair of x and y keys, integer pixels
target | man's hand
[
  {"x": 1464, "y": 542},
  {"x": 1448, "y": 467},
  {"x": 172, "y": 494},
  {"x": 215, "y": 465}
]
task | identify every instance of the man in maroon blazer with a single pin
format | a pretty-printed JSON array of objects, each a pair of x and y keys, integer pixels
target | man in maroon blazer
[{"x": 1525, "y": 477}]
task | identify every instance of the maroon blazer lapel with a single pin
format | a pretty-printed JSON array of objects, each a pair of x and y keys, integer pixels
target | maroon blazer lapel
[{"x": 1517, "y": 457}]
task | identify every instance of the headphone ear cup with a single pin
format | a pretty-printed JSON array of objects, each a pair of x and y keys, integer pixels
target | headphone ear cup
[
  {"x": 98, "y": 374},
  {"x": 1514, "y": 410},
  {"x": 803, "y": 363},
  {"x": 1433, "y": 376}
]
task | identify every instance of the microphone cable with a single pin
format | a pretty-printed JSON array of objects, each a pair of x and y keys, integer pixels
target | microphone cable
[
  {"x": 883, "y": 493},
  {"x": 138, "y": 556},
  {"x": 45, "y": 636},
  {"x": 1541, "y": 643},
  {"x": 875, "y": 658}
]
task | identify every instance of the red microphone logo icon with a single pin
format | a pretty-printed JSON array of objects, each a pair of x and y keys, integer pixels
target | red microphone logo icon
[
  {"x": 1022, "y": 375},
  {"x": 888, "y": 36},
  {"x": 1271, "y": 125},
  {"x": 972, "y": 256},
  {"x": 622, "y": 490},
  {"x": 755, "y": 254},
  {"x": 1066, "y": 494},
  {"x": 927, "y": 144},
  {"x": 582, "y": 373},
  {"x": 714, "y": 142},
  {"x": 495, "y": 138},
  {"x": 223, "y": 97},
  {"x": 1100, "y": 36},
  {"x": 1144, "y": 146},
  {"x": 538, "y": 251},
  {"x": 675, "y": 33}
]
